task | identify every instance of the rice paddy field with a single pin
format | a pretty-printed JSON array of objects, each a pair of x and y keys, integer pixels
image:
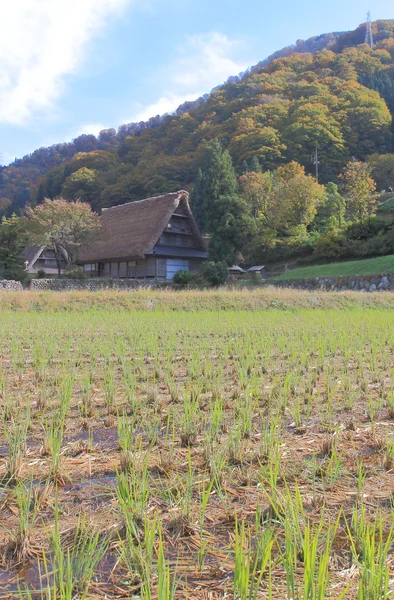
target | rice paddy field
[{"x": 159, "y": 450}]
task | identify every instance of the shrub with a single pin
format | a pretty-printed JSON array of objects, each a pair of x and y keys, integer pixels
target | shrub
[
  {"x": 75, "y": 273},
  {"x": 41, "y": 274},
  {"x": 367, "y": 229},
  {"x": 214, "y": 273},
  {"x": 331, "y": 245},
  {"x": 182, "y": 277}
]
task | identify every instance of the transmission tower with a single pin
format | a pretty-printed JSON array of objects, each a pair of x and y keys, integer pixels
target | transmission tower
[{"x": 368, "y": 33}]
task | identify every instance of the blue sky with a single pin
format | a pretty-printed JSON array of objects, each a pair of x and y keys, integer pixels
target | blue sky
[{"x": 77, "y": 66}]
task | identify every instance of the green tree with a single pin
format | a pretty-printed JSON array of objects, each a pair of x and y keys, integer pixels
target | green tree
[
  {"x": 255, "y": 165},
  {"x": 227, "y": 215},
  {"x": 359, "y": 188},
  {"x": 314, "y": 126},
  {"x": 5, "y": 204},
  {"x": 215, "y": 273},
  {"x": 331, "y": 212},
  {"x": 62, "y": 225},
  {"x": 219, "y": 178},
  {"x": 197, "y": 201},
  {"x": 262, "y": 142},
  {"x": 82, "y": 185},
  {"x": 245, "y": 168},
  {"x": 256, "y": 190},
  {"x": 295, "y": 198},
  {"x": 382, "y": 170},
  {"x": 12, "y": 244},
  {"x": 231, "y": 226}
]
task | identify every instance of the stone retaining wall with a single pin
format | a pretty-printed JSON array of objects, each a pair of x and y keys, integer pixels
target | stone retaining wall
[
  {"x": 6, "y": 284},
  {"x": 365, "y": 283},
  {"x": 91, "y": 285}
]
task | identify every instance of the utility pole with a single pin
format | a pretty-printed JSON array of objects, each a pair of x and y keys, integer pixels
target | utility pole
[
  {"x": 315, "y": 161},
  {"x": 368, "y": 33}
]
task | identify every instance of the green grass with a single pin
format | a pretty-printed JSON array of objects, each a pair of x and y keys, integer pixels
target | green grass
[
  {"x": 387, "y": 206},
  {"x": 370, "y": 266}
]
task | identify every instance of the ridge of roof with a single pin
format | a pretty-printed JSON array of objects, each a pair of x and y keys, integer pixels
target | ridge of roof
[{"x": 179, "y": 193}]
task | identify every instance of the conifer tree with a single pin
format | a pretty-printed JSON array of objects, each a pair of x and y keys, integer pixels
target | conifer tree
[
  {"x": 219, "y": 180},
  {"x": 245, "y": 168},
  {"x": 227, "y": 215},
  {"x": 232, "y": 226},
  {"x": 12, "y": 243},
  {"x": 255, "y": 165},
  {"x": 197, "y": 201}
]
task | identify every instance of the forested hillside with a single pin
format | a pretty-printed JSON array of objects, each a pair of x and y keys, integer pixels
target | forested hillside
[{"x": 332, "y": 92}]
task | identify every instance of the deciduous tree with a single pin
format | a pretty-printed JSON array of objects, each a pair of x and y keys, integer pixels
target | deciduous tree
[
  {"x": 359, "y": 188},
  {"x": 256, "y": 190},
  {"x": 382, "y": 170},
  {"x": 62, "y": 225}
]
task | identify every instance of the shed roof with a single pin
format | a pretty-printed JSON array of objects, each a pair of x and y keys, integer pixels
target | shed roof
[
  {"x": 130, "y": 231},
  {"x": 256, "y": 268},
  {"x": 237, "y": 268}
]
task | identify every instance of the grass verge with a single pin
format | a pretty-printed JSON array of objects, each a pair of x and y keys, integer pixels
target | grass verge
[
  {"x": 189, "y": 300},
  {"x": 370, "y": 266}
]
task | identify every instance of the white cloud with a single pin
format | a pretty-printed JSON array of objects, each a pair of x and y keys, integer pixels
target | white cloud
[
  {"x": 165, "y": 104},
  {"x": 204, "y": 61},
  {"x": 89, "y": 128},
  {"x": 41, "y": 41}
]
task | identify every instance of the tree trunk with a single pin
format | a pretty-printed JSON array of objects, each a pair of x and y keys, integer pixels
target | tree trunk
[{"x": 58, "y": 260}]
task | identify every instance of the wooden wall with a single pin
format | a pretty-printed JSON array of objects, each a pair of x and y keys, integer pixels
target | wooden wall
[{"x": 150, "y": 267}]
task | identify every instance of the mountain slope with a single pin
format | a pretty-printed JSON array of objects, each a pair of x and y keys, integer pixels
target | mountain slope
[{"x": 331, "y": 91}]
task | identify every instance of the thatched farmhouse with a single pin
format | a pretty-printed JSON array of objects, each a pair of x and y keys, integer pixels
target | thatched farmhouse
[
  {"x": 42, "y": 259},
  {"x": 152, "y": 238}
]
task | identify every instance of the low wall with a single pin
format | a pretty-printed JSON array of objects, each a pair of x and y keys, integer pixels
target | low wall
[
  {"x": 91, "y": 285},
  {"x": 6, "y": 284},
  {"x": 364, "y": 283}
]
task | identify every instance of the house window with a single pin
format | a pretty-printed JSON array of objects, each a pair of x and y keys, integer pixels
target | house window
[
  {"x": 90, "y": 267},
  {"x": 174, "y": 265},
  {"x": 106, "y": 270},
  {"x": 122, "y": 269},
  {"x": 131, "y": 269}
]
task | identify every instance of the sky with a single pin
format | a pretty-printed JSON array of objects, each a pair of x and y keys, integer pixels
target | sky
[{"x": 69, "y": 67}]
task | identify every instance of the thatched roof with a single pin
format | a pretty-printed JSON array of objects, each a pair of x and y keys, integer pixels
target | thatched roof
[
  {"x": 130, "y": 231},
  {"x": 31, "y": 254}
]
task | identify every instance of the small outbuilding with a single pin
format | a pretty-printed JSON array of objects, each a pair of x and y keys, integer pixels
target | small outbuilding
[{"x": 258, "y": 271}]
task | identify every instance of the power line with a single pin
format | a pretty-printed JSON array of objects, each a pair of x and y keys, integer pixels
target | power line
[{"x": 368, "y": 33}]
